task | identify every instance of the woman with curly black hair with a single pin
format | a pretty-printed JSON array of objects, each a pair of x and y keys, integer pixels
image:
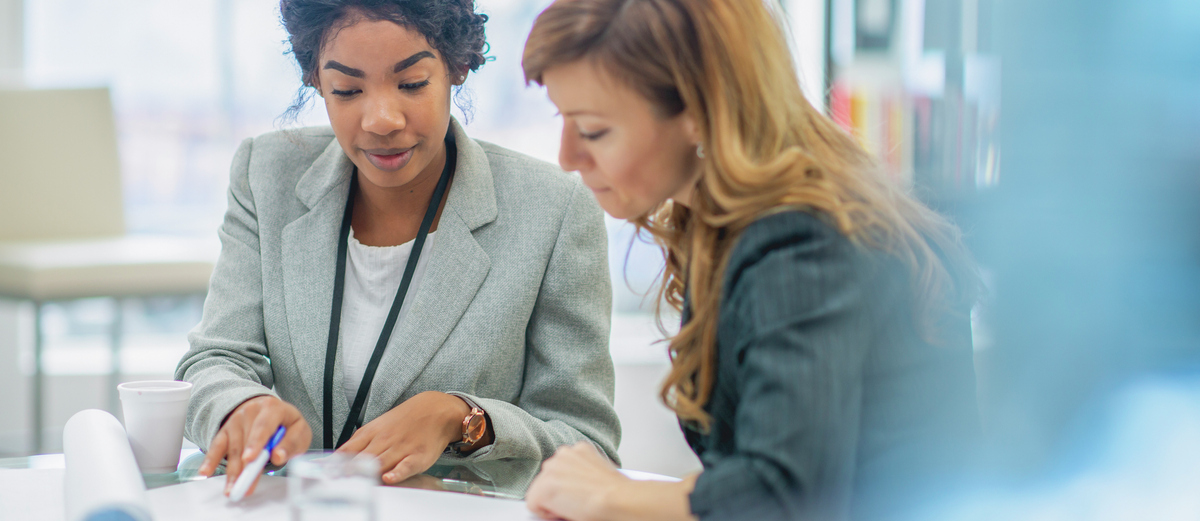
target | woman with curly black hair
[{"x": 388, "y": 285}]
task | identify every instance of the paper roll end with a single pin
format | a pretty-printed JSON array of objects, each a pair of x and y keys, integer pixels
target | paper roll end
[
  {"x": 101, "y": 481},
  {"x": 117, "y": 514}
]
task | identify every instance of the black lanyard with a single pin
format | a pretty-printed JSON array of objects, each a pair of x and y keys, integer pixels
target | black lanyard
[{"x": 354, "y": 420}]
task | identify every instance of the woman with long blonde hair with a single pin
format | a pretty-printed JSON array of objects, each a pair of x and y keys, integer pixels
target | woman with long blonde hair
[{"x": 824, "y": 365}]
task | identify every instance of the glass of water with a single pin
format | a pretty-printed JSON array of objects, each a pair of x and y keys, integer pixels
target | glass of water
[{"x": 332, "y": 486}]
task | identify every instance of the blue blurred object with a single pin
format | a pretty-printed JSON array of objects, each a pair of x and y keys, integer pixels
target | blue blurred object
[
  {"x": 113, "y": 514},
  {"x": 1094, "y": 238},
  {"x": 1091, "y": 389},
  {"x": 1143, "y": 466}
]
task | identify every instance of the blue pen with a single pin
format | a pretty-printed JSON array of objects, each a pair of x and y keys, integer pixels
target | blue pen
[{"x": 254, "y": 468}]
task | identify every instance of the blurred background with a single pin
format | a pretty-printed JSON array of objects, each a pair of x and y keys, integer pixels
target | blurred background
[{"x": 1062, "y": 136}]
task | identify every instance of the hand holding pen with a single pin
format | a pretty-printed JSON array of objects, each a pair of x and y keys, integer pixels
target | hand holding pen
[
  {"x": 253, "y": 469},
  {"x": 247, "y": 431}
]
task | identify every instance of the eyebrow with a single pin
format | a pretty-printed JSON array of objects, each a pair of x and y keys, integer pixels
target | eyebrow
[
  {"x": 408, "y": 62},
  {"x": 348, "y": 71},
  {"x": 356, "y": 73}
]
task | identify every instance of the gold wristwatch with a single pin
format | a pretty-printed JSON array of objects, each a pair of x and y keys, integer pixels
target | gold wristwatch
[{"x": 474, "y": 426}]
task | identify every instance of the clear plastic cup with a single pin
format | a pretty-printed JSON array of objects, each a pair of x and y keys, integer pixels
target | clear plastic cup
[
  {"x": 154, "y": 412},
  {"x": 332, "y": 486}
]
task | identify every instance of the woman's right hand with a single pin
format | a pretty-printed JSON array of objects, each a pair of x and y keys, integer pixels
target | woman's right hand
[
  {"x": 578, "y": 483},
  {"x": 247, "y": 430}
]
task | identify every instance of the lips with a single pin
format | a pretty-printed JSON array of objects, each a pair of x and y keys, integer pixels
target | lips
[
  {"x": 388, "y": 159},
  {"x": 594, "y": 189}
]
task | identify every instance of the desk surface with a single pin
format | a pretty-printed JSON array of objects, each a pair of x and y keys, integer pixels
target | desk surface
[{"x": 502, "y": 479}]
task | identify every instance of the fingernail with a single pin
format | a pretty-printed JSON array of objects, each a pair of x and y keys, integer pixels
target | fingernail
[
  {"x": 281, "y": 454},
  {"x": 246, "y": 454},
  {"x": 389, "y": 476}
]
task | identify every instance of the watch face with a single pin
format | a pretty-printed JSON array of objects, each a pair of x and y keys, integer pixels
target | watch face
[{"x": 475, "y": 428}]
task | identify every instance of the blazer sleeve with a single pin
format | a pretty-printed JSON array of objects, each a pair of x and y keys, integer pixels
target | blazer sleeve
[
  {"x": 567, "y": 395},
  {"x": 228, "y": 362},
  {"x": 802, "y": 304}
]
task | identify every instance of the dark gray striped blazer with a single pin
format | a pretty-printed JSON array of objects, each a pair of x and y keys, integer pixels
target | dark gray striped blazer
[{"x": 827, "y": 404}]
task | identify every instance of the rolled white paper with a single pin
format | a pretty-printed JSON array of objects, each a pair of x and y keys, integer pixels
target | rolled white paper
[{"x": 101, "y": 473}]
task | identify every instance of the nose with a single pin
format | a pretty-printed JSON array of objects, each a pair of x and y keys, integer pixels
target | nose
[
  {"x": 383, "y": 115},
  {"x": 571, "y": 153}
]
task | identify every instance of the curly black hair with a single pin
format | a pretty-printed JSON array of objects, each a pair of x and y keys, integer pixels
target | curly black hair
[{"x": 450, "y": 26}]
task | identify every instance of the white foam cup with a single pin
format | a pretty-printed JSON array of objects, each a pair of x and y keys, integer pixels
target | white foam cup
[{"x": 154, "y": 412}]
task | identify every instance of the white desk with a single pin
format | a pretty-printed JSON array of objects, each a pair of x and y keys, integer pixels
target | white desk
[{"x": 32, "y": 489}]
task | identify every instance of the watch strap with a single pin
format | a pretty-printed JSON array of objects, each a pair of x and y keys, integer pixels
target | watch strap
[
  {"x": 470, "y": 403},
  {"x": 457, "y": 446}
]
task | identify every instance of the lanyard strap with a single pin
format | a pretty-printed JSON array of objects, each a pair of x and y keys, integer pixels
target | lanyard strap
[{"x": 354, "y": 420}]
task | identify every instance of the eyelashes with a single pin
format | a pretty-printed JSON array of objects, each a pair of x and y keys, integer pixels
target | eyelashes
[
  {"x": 592, "y": 136},
  {"x": 403, "y": 86},
  {"x": 413, "y": 86}
]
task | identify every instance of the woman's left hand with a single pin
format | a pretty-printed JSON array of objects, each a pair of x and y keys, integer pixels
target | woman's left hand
[
  {"x": 408, "y": 439},
  {"x": 576, "y": 483}
]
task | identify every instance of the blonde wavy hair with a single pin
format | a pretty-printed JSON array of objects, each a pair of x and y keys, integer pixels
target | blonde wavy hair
[{"x": 726, "y": 63}]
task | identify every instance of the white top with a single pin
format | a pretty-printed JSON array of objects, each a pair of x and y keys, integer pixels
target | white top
[{"x": 373, "y": 276}]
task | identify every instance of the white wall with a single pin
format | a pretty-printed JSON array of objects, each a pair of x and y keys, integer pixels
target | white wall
[
  {"x": 75, "y": 379},
  {"x": 12, "y": 35},
  {"x": 806, "y": 20},
  {"x": 14, "y": 386}
]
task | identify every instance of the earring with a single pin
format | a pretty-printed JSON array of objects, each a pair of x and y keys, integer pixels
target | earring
[{"x": 700, "y": 150}]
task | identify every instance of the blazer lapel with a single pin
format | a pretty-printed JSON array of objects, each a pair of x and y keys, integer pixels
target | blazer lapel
[
  {"x": 309, "y": 260},
  {"x": 457, "y": 268}
]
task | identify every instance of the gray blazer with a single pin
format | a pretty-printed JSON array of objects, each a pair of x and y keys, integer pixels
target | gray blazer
[
  {"x": 827, "y": 402},
  {"x": 513, "y": 310}
]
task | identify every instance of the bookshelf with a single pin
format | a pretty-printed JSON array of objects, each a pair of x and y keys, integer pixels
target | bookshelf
[{"x": 917, "y": 82}]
